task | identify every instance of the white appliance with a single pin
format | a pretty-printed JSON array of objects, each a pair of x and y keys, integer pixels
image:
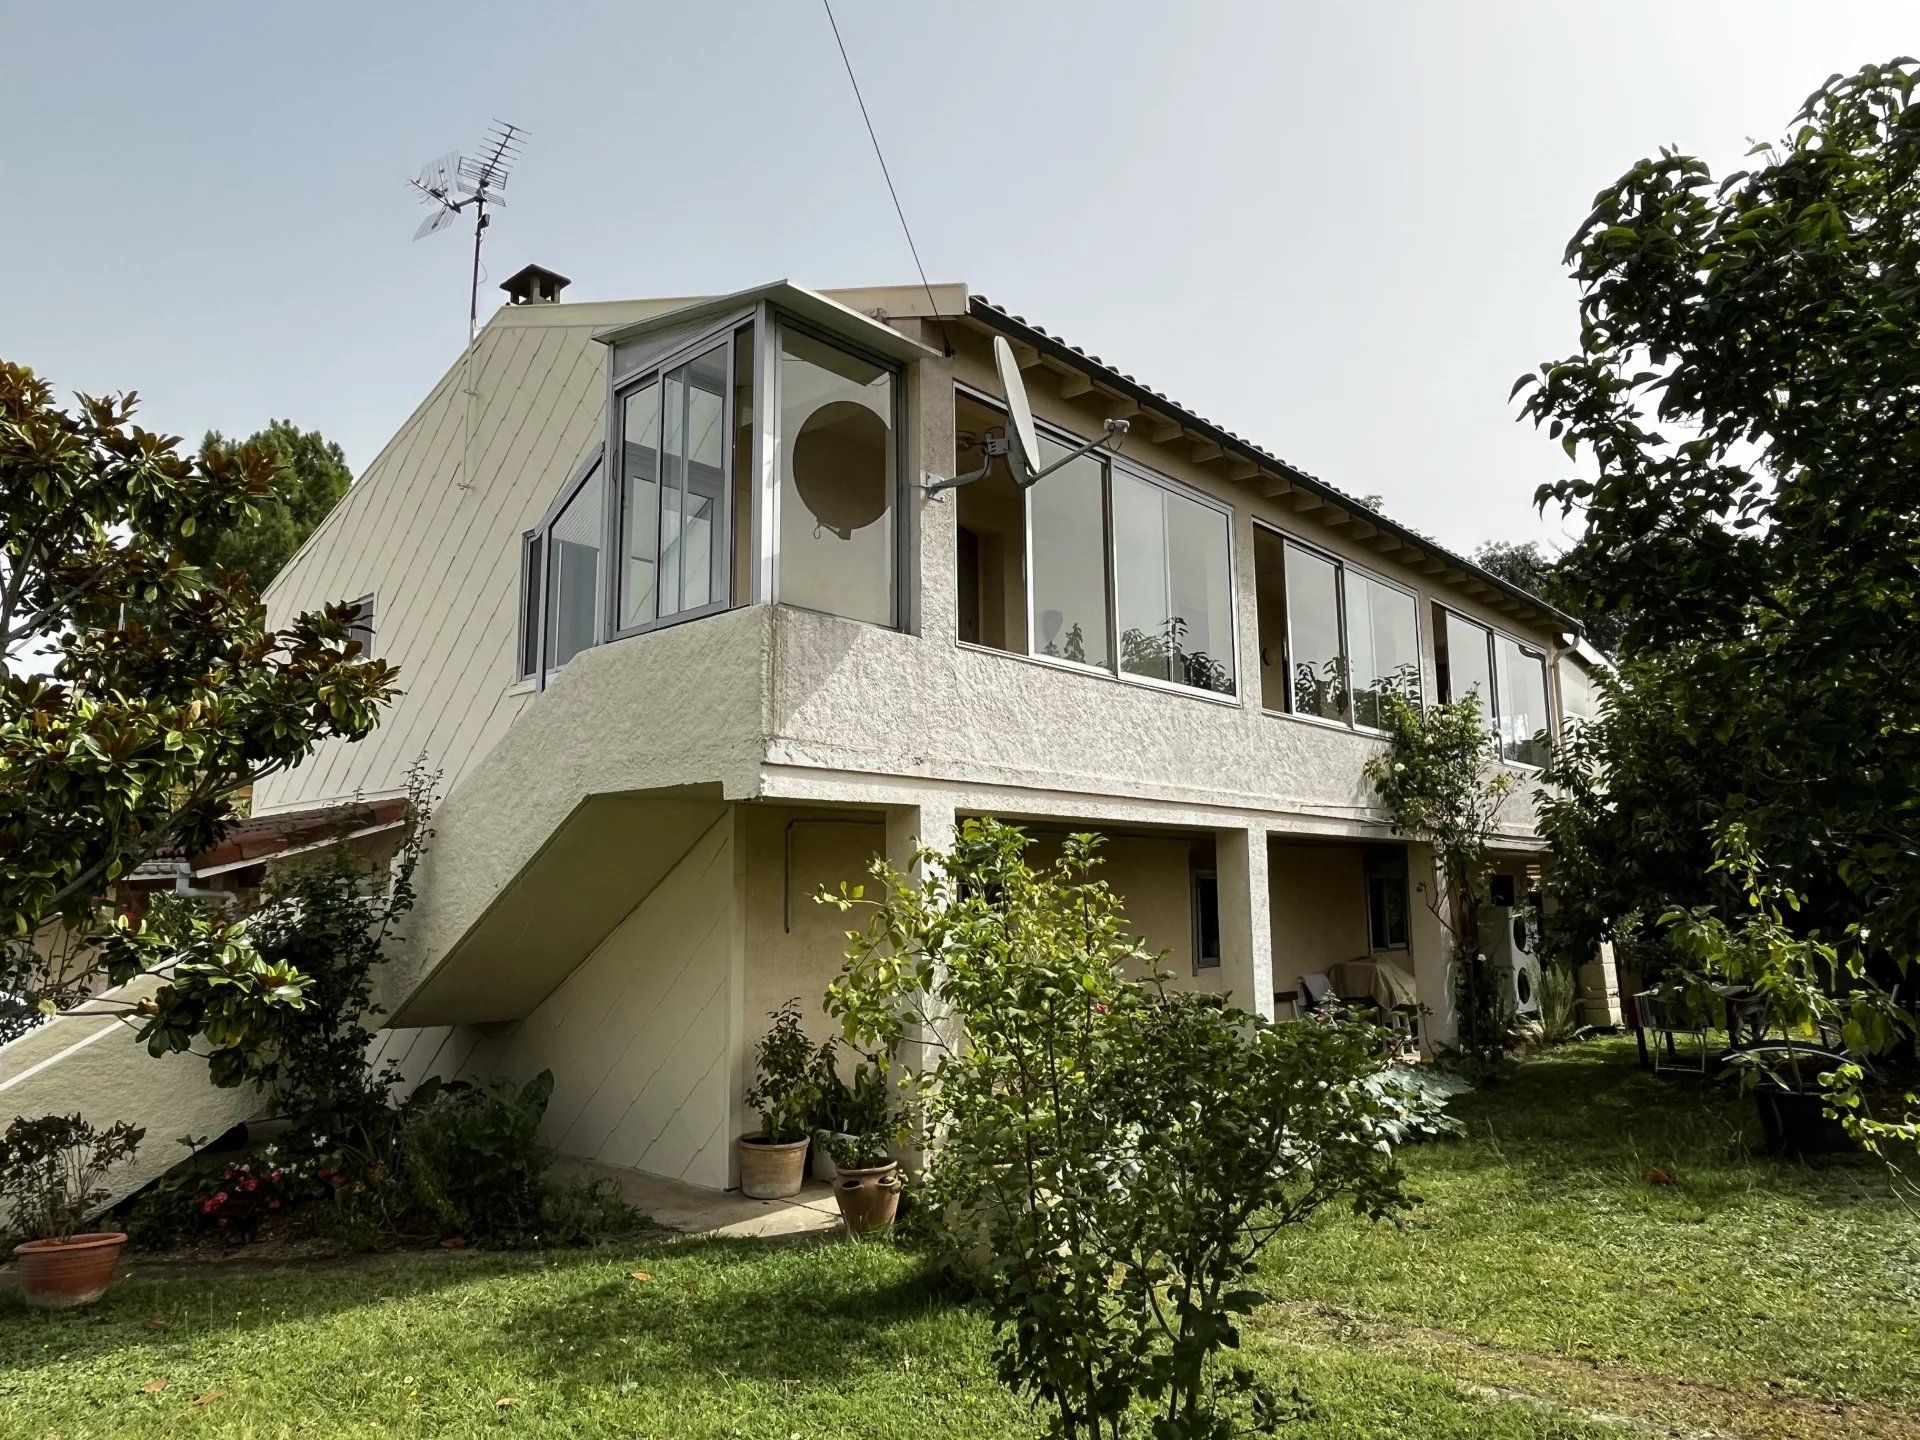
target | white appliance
[{"x": 1510, "y": 953}]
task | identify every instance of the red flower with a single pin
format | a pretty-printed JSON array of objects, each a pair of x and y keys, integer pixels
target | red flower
[
  {"x": 325, "y": 1172},
  {"x": 273, "y": 1202},
  {"x": 274, "y": 1175},
  {"x": 228, "y": 1175},
  {"x": 207, "y": 1204},
  {"x": 221, "y": 1222},
  {"x": 248, "y": 1183},
  {"x": 219, "y": 1197}
]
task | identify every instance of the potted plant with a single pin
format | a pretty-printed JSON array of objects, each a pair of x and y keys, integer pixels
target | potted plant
[
  {"x": 50, "y": 1172},
  {"x": 1785, "y": 1076},
  {"x": 867, "y": 1184},
  {"x": 773, "y": 1163},
  {"x": 831, "y": 1099}
]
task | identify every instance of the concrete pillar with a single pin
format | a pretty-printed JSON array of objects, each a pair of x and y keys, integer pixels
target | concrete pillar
[
  {"x": 909, "y": 827},
  {"x": 932, "y": 530},
  {"x": 1432, "y": 945},
  {"x": 1246, "y": 933}
]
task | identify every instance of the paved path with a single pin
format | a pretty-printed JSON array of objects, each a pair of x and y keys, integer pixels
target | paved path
[{"x": 695, "y": 1211}]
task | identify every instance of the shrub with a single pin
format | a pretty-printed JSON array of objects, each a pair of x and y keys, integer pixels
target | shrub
[
  {"x": 1559, "y": 997},
  {"x": 585, "y": 1212},
  {"x": 1115, "y": 1154},
  {"x": 50, "y": 1171},
  {"x": 472, "y": 1155}
]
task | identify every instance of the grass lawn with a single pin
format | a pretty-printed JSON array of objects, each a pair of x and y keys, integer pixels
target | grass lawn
[{"x": 1544, "y": 1288}]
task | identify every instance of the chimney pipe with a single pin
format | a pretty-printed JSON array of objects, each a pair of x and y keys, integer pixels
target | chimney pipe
[{"x": 534, "y": 285}]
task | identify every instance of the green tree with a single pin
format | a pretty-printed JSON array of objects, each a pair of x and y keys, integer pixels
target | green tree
[
  {"x": 141, "y": 693},
  {"x": 310, "y": 476},
  {"x": 1745, "y": 397},
  {"x": 1526, "y": 564}
]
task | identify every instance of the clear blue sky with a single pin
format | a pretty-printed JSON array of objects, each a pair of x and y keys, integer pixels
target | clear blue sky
[{"x": 1333, "y": 228}]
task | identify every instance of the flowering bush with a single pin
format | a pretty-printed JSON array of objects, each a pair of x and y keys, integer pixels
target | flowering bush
[{"x": 247, "y": 1192}]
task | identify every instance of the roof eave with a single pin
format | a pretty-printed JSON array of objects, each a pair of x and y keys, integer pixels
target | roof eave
[
  {"x": 796, "y": 300},
  {"x": 986, "y": 313}
]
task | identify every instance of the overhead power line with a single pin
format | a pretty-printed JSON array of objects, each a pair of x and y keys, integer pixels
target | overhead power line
[{"x": 887, "y": 175}]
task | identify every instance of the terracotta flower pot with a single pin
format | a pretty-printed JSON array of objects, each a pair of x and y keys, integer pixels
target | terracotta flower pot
[
  {"x": 60, "y": 1274},
  {"x": 772, "y": 1169},
  {"x": 868, "y": 1197}
]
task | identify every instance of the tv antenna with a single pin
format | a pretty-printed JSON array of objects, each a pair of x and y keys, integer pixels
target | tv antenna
[
  {"x": 454, "y": 182},
  {"x": 1019, "y": 443}
]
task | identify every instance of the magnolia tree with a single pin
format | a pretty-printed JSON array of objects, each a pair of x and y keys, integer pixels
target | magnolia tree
[
  {"x": 141, "y": 693},
  {"x": 1440, "y": 787},
  {"x": 1113, "y": 1155}
]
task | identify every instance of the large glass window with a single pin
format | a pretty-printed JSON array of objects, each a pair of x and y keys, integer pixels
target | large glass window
[
  {"x": 1342, "y": 639},
  {"x": 1507, "y": 678},
  {"x": 1067, "y": 515},
  {"x": 673, "y": 492},
  {"x": 1172, "y": 590},
  {"x": 573, "y": 571},
  {"x": 1577, "y": 693},
  {"x": 1126, "y": 573},
  {"x": 839, "y": 470},
  {"x": 1520, "y": 676},
  {"x": 1383, "y": 646},
  {"x": 1468, "y": 667},
  {"x": 639, "y": 504}
]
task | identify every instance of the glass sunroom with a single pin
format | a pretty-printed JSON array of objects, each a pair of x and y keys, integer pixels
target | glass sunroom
[{"x": 754, "y": 453}]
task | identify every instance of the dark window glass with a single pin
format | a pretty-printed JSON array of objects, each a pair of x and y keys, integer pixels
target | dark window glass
[
  {"x": 360, "y": 628},
  {"x": 1206, "y": 920},
  {"x": 1387, "y": 911},
  {"x": 530, "y": 554}
]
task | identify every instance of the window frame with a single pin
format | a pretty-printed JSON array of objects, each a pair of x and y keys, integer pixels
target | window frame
[
  {"x": 1109, "y": 461},
  {"x": 770, "y": 451},
  {"x": 721, "y": 333},
  {"x": 1548, "y": 686},
  {"x": 533, "y": 543},
  {"x": 542, "y": 533},
  {"x": 366, "y": 615},
  {"x": 1376, "y": 870},
  {"x": 1341, "y": 565}
]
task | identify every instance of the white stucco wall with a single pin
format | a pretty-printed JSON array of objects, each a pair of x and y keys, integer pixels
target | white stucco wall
[
  {"x": 641, "y": 1037},
  {"x": 94, "y": 1064}
]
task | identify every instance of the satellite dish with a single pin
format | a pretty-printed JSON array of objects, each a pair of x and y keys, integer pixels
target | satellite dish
[
  {"x": 1020, "y": 446},
  {"x": 1023, "y": 455}
]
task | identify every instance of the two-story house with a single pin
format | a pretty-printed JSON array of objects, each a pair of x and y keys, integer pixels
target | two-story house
[{"x": 678, "y": 619}]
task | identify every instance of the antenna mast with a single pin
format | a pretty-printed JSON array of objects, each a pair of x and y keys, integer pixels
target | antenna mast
[{"x": 454, "y": 182}]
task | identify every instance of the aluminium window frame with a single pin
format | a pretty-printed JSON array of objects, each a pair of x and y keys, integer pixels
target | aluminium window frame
[
  {"x": 724, "y": 332},
  {"x": 1109, "y": 460},
  {"x": 541, "y": 531},
  {"x": 1341, "y": 565},
  {"x": 1548, "y": 688}
]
